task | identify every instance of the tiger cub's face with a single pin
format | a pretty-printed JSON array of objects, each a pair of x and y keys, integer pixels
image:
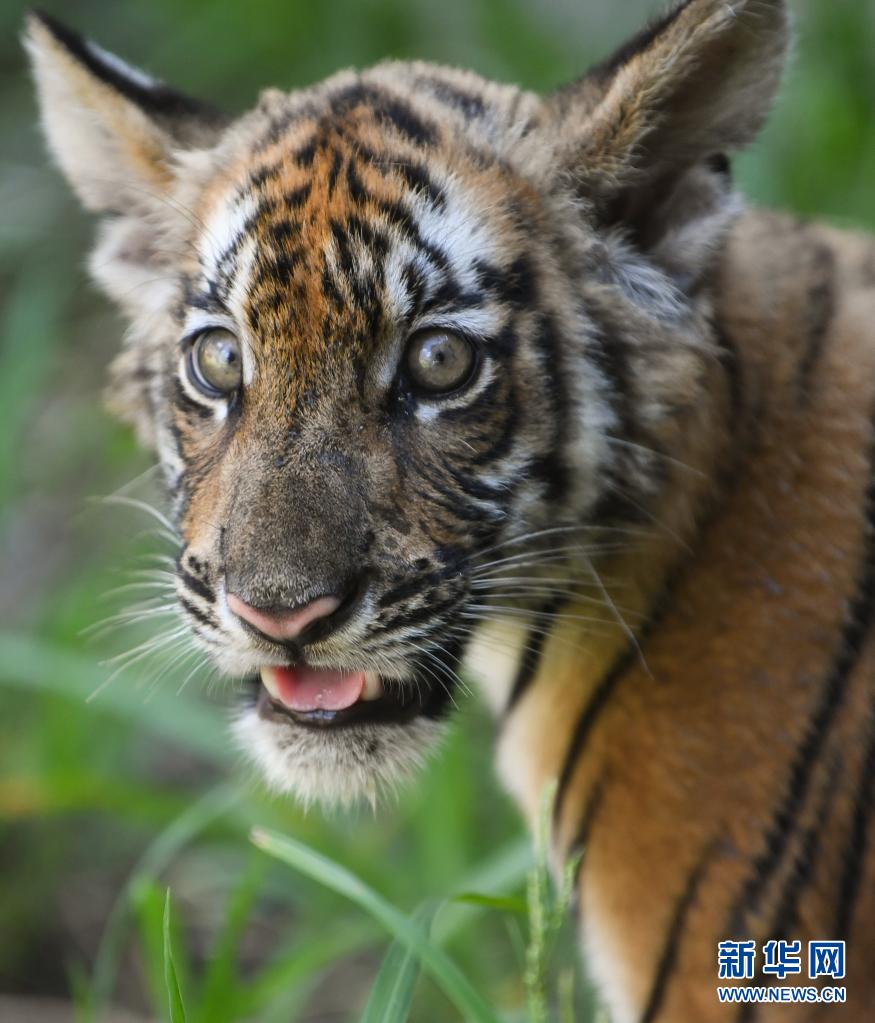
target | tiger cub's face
[
  {"x": 389, "y": 335},
  {"x": 355, "y": 406}
]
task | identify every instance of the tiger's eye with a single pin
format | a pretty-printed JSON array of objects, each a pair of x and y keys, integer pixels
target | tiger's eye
[
  {"x": 439, "y": 361},
  {"x": 216, "y": 367}
]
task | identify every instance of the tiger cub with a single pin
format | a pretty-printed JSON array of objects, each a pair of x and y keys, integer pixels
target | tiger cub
[{"x": 450, "y": 378}]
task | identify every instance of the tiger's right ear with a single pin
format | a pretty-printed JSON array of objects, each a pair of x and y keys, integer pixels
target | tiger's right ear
[
  {"x": 699, "y": 82},
  {"x": 641, "y": 138},
  {"x": 127, "y": 144},
  {"x": 112, "y": 128}
]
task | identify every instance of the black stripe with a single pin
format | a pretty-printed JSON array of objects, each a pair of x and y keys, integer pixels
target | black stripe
[
  {"x": 333, "y": 173},
  {"x": 355, "y": 186},
  {"x": 604, "y": 690},
  {"x": 587, "y": 821},
  {"x": 450, "y": 295},
  {"x": 342, "y": 245},
  {"x": 292, "y": 200},
  {"x": 469, "y": 104},
  {"x": 305, "y": 156},
  {"x": 550, "y": 467},
  {"x": 475, "y": 488},
  {"x": 854, "y": 858},
  {"x": 155, "y": 98},
  {"x": 418, "y": 180},
  {"x": 798, "y": 878},
  {"x": 276, "y": 205},
  {"x": 519, "y": 286},
  {"x": 857, "y": 625},
  {"x": 279, "y": 271},
  {"x": 279, "y": 125},
  {"x": 447, "y": 497},
  {"x": 415, "y": 283},
  {"x": 374, "y": 239},
  {"x": 535, "y": 642},
  {"x": 501, "y": 443},
  {"x": 283, "y": 231},
  {"x": 416, "y": 616},
  {"x": 411, "y": 587},
  {"x": 505, "y": 342},
  {"x": 671, "y": 948},
  {"x": 196, "y": 586},
  {"x": 185, "y": 403},
  {"x": 258, "y": 178},
  {"x": 490, "y": 400},
  {"x": 329, "y": 287},
  {"x": 805, "y": 861},
  {"x": 821, "y": 309},
  {"x": 515, "y": 284},
  {"x": 402, "y": 219},
  {"x": 209, "y": 303},
  {"x": 201, "y": 616},
  {"x": 588, "y": 717},
  {"x": 388, "y": 109}
]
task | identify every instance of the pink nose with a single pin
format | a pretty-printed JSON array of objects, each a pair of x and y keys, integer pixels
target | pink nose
[{"x": 284, "y": 624}]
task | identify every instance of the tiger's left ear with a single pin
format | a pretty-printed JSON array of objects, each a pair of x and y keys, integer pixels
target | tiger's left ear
[
  {"x": 693, "y": 86},
  {"x": 113, "y": 129}
]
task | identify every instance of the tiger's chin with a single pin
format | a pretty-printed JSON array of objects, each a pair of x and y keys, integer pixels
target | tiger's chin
[{"x": 337, "y": 756}]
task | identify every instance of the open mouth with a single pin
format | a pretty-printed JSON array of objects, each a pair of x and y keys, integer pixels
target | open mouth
[{"x": 328, "y": 698}]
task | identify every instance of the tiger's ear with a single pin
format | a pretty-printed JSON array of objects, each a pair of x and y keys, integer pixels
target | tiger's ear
[
  {"x": 127, "y": 144},
  {"x": 112, "y": 128},
  {"x": 693, "y": 86}
]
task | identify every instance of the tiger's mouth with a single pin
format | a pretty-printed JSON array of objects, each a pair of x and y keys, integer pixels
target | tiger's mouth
[
  {"x": 324, "y": 698},
  {"x": 339, "y": 733}
]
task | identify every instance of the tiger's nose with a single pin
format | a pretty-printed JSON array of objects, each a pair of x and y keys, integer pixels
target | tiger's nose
[{"x": 287, "y": 622}]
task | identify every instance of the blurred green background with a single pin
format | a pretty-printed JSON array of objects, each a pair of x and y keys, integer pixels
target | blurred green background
[{"x": 104, "y": 804}]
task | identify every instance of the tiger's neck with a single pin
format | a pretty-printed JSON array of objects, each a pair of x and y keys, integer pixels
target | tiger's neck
[
  {"x": 547, "y": 676},
  {"x": 540, "y": 672}
]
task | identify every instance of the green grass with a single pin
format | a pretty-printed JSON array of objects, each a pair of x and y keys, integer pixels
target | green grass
[
  {"x": 104, "y": 805},
  {"x": 217, "y": 993},
  {"x": 470, "y": 894}
]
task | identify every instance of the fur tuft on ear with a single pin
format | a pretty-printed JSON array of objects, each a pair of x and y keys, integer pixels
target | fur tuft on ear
[{"x": 112, "y": 128}]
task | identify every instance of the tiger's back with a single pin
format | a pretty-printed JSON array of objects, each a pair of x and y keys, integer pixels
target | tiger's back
[{"x": 447, "y": 377}]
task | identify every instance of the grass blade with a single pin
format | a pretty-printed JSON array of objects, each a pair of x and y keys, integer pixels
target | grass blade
[
  {"x": 434, "y": 960},
  {"x": 179, "y": 833},
  {"x": 174, "y": 995},
  {"x": 219, "y": 987},
  {"x": 148, "y": 905},
  {"x": 499, "y": 903},
  {"x": 392, "y": 993},
  {"x": 503, "y": 871}
]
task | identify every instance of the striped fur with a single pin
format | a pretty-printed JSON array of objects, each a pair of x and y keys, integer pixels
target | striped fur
[{"x": 645, "y": 528}]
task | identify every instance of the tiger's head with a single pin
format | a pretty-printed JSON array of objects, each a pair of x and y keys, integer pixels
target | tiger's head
[{"x": 403, "y": 341}]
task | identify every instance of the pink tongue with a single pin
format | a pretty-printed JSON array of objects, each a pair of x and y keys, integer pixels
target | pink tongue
[{"x": 303, "y": 688}]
